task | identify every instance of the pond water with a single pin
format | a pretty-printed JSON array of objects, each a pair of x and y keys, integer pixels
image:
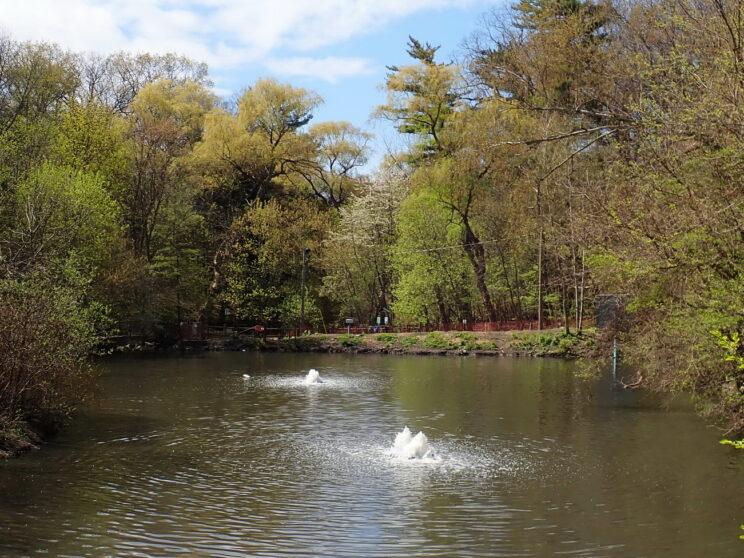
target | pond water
[{"x": 184, "y": 456}]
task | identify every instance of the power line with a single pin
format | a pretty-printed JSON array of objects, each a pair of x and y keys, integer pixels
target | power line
[
  {"x": 438, "y": 248},
  {"x": 433, "y": 249}
]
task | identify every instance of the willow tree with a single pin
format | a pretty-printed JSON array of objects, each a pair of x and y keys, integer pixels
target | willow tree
[
  {"x": 243, "y": 155},
  {"x": 167, "y": 120},
  {"x": 332, "y": 171},
  {"x": 264, "y": 152}
]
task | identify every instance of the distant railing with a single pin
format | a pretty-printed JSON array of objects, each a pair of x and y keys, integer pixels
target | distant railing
[
  {"x": 506, "y": 325},
  {"x": 258, "y": 330}
]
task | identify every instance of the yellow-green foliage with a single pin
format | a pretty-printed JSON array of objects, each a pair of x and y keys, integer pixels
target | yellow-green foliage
[{"x": 387, "y": 339}]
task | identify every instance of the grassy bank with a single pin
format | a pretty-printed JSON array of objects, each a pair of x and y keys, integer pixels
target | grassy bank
[{"x": 551, "y": 343}]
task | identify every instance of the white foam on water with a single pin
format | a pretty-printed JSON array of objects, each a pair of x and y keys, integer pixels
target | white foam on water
[
  {"x": 313, "y": 378},
  {"x": 331, "y": 380},
  {"x": 297, "y": 383},
  {"x": 412, "y": 455},
  {"x": 407, "y": 446}
]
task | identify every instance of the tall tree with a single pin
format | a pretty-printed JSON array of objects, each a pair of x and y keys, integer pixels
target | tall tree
[
  {"x": 167, "y": 119},
  {"x": 421, "y": 97}
]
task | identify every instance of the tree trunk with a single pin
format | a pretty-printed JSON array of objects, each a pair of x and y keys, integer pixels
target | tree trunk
[
  {"x": 564, "y": 297},
  {"x": 581, "y": 294},
  {"x": 477, "y": 255},
  {"x": 575, "y": 287},
  {"x": 540, "y": 242},
  {"x": 514, "y": 309},
  {"x": 540, "y": 280},
  {"x": 441, "y": 306},
  {"x": 519, "y": 287}
]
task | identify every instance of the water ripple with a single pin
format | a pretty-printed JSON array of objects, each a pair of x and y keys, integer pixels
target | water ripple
[{"x": 191, "y": 459}]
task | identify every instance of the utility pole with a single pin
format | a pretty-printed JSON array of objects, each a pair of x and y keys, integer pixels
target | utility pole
[
  {"x": 540, "y": 242},
  {"x": 305, "y": 252}
]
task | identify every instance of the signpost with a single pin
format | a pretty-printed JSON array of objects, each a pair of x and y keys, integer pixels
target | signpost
[{"x": 349, "y": 322}]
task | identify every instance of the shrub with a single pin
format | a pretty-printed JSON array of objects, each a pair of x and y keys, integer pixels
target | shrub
[
  {"x": 347, "y": 340},
  {"x": 387, "y": 339},
  {"x": 297, "y": 344},
  {"x": 436, "y": 340},
  {"x": 45, "y": 339},
  {"x": 554, "y": 343},
  {"x": 468, "y": 341},
  {"x": 409, "y": 341}
]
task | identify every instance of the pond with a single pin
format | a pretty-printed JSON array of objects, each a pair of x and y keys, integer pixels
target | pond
[{"x": 185, "y": 456}]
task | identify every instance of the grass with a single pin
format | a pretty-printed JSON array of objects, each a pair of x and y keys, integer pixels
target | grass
[
  {"x": 347, "y": 340},
  {"x": 387, "y": 339},
  {"x": 435, "y": 340},
  {"x": 468, "y": 341},
  {"x": 298, "y": 343},
  {"x": 409, "y": 341},
  {"x": 552, "y": 343}
]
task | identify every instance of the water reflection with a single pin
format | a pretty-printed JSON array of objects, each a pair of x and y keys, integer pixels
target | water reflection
[{"x": 184, "y": 456}]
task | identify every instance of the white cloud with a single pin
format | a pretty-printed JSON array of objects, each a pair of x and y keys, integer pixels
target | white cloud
[
  {"x": 329, "y": 68},
  {"x": 223, "y": 33}
]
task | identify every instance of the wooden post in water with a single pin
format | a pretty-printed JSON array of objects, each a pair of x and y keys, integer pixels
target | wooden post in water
[{"x": 614, "y": 359}]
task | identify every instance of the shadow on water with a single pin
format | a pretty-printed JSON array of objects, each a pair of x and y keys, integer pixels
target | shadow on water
[{"x": 185, "y": 456}]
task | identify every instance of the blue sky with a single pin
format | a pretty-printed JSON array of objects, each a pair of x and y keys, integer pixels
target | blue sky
[{"x": 338, "y": 48}]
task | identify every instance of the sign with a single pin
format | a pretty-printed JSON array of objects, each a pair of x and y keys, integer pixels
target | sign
[{"x": 349, "y": 321}]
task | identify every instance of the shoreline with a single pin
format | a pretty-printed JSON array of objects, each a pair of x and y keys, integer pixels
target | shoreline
[
  {"x": 20, "y": 437},
  {"x": 538, "y": 344}
]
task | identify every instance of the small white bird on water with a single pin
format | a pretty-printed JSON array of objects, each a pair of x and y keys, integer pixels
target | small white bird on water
[{"x": 246, "y": 376}]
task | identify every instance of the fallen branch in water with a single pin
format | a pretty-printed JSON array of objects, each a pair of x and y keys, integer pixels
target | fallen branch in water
[{"x": 632, "y": 385}]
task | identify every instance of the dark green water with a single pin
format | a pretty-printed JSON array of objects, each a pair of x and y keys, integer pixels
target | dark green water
[{"x": 184, "y": 457}]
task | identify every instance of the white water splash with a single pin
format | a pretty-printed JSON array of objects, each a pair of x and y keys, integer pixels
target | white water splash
[
  {"x": 407, "y": 446},
  {"x": 313, "y": 378}
]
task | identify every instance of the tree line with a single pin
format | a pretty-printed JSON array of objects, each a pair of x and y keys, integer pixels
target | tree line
[{"x": 577, "y": 148}]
